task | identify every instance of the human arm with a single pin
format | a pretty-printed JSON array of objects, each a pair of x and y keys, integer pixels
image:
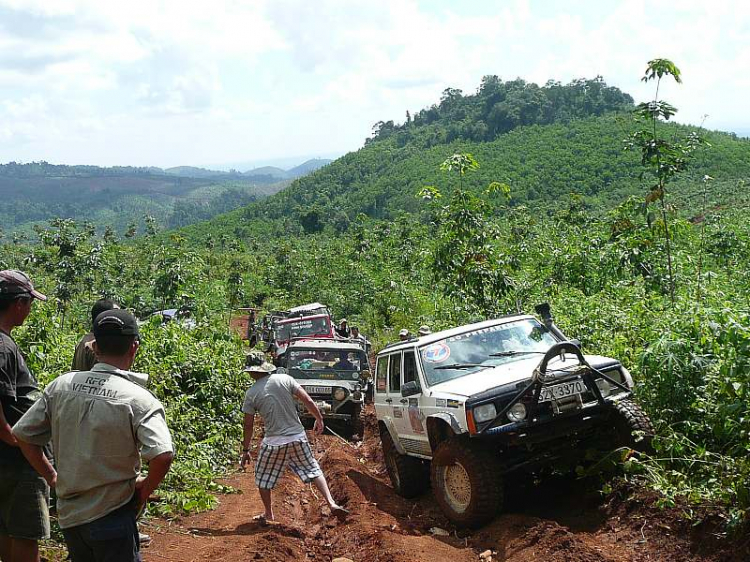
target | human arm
[
  {"x": 6, "y": 435},
  {"x": 37, "y": 459},
  {"x": 247, "y": 439},
  {"x": 156, "y": 448},
  {"x": 311, "y": 407},
  {"x": 157, "y": 470}
]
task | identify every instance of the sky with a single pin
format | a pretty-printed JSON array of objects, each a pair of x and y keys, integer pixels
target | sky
[{"x": 167, "y": 83}]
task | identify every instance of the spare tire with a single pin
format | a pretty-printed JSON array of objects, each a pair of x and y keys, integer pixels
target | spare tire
[{"x": 467, "y": 482}]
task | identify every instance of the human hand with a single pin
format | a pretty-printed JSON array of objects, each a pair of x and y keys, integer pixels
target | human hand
[
  {"x": 51, "y": 479},
  {"x": 245, "y": 460},
  {"x": 142, "y": 491},
  {"x": 318, "y": 427}
]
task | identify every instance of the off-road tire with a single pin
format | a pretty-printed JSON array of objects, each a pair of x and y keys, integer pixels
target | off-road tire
[
  {"x": 358, "y": 421},
  {"x": 482, "y": 494},
  {"x": 630, "y": 418},
  {"x": 407, "y": 473}
]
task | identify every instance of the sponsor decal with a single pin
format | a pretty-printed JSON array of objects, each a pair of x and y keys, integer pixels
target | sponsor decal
[
  {"x": 397, "y": 413},
  {"x": 454, "y": 404},
  {"x": 440, "y": 403},
  {"x": 436, "y": 353}
]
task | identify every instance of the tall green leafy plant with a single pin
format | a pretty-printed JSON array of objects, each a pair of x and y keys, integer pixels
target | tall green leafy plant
[{"x": 661, "y": 158}]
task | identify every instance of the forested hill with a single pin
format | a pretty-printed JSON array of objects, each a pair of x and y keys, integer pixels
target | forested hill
[
  {"x": 119, "y": 196},
  {"x": 545, "y": 142}
]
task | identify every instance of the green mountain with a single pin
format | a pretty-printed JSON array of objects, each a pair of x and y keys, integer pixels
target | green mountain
[{"x": 119, "y": 196}]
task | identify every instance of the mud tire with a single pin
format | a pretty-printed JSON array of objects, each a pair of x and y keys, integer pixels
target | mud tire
[
  {"x": 407, "y": 473},
  {"x": 358, "y": 421},
  {"x": 630, "y": 418},
  {"x": 466, "y": 482}
]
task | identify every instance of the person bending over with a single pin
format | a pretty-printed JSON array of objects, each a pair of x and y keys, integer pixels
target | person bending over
[{"x": 285, "y": 443}]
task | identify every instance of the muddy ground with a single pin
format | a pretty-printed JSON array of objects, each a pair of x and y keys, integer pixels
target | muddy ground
[{"x": 560, "y": 521}]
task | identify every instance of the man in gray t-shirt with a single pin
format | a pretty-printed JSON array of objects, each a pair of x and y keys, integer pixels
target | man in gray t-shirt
[{"x": 285, "y": 443}]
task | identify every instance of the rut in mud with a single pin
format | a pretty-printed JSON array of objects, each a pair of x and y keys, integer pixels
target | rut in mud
[{"x": 560, "y": 521}]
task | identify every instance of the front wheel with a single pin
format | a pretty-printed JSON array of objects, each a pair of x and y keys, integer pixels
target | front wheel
[
  {"x": 466, "y": 482},
  {"x": 633, "y": 427}
]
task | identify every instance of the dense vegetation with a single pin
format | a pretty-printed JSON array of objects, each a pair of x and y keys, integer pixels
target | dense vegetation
[
  {"x": 464, "y": 248},
  {"x": 117, "y": 197}
]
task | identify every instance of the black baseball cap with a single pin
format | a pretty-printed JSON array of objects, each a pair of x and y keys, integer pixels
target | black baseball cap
[
  {"x": 115, "y": 322},
  {"x": 14, "y": 283}
]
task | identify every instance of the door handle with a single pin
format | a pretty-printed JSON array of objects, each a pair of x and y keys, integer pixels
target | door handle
[
  {"x": 388, "y": 400},
  {"x": 404, "y": 401}
]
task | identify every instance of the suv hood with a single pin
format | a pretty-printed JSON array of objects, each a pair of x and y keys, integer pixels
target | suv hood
[{"x": 514, "y": 371}]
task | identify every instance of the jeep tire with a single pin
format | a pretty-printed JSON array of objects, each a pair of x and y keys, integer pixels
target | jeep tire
[
  {"x": 633, "y": 428},
  {"x": 466, "y": 482},
  {"x": 358, "y": 421},
  {"x": 407, "y": 473}
]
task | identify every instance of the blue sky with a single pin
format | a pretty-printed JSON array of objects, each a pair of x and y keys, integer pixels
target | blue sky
[{"x": 166, "y": 83}]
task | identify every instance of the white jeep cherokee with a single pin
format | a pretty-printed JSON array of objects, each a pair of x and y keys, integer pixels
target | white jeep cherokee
[{"x": 477, "y": 403}]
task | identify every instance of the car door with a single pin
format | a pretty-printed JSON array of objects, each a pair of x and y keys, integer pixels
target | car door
[{"x": 383, "y": 395}]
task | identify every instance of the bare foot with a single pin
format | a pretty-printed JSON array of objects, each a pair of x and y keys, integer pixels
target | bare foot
[
  {"x": 339, "y": 511},
  {"x": 263, "y": 520}
]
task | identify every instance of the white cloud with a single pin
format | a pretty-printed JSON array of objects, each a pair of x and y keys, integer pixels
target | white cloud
[{"x": 86, "y": 80}]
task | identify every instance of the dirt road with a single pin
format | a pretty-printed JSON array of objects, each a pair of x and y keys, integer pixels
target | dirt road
[{"x": 561, "y": 521}]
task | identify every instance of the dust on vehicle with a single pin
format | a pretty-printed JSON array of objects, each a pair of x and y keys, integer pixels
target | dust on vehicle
[{"x": 477, "y": 404}]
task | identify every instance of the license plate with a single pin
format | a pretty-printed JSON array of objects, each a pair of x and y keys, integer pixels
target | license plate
[
  {"x": 563, "y": 390},
  {"x": 318, "y": 389}
]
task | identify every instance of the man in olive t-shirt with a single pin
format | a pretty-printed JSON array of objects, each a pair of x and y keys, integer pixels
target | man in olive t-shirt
[
  {"x": 83, "y": 356},
  {"x": 24, "y": 495}
]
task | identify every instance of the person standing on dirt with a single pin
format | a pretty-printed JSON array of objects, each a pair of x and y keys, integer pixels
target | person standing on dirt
[
  {"x": 84, "y": 357},
  {"x": 101, "y": 425},
  {"x": 285, "y": 442},
  {"x": 24, "y": 495}
]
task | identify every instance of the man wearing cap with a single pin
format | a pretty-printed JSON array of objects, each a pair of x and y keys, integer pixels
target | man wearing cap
[
  {"x": 98, "y": 422},
  {"x": 24, "y": 495},
  {"x": 83, "y": 357},
  {"x": 403, "y": 335},
  {"x": 343, "y": 329},
  {"x": 424, "y": 331},
  {"x": 285, "y": 442}
]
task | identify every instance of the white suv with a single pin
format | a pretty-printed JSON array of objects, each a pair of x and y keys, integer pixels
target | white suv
[{"x": 477, "y": 403}]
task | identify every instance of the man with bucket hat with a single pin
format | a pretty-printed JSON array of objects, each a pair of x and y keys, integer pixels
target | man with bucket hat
[
  {"x": 285, "y": 443},
  {"x": 24, "y": 495},
  {"x": 101, "y": 423}
]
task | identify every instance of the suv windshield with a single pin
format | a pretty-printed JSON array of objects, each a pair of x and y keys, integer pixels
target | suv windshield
[
  {"x": 462, "y": 354},
  {"x": 304, "y": 327},
  {"x": 325, "y": 364}
]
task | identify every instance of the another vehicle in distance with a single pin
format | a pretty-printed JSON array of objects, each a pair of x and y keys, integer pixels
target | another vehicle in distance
[
  {"x": 334, "y": 374},
  {"x": 475, "y": 404}
]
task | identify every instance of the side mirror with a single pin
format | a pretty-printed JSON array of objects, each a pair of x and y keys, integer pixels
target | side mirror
[
  {"x": 576, "y": 342},
  {"x": 410, "y": 389}
]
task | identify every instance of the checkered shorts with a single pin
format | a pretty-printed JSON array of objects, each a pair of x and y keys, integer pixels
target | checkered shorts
[{"x": 273, "y": 459}]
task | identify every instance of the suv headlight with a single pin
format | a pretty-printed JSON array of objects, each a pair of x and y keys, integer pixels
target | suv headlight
[
  {"x": 604, "y": 387},
  {"x": 517, "y": 412},
  {"x": 484, "y": 413},
  {"x": 339, "y": 394}
]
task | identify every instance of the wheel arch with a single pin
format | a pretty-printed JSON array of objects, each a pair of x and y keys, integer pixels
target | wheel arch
[{"x": 440, "y": 427}]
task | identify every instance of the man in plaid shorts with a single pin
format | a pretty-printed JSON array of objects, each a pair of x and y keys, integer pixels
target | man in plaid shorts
[{"x": 285, "y": 443}]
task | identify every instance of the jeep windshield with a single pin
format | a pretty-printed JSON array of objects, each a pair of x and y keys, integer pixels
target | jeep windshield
[
  {"x": 326, "y": 364},
  {"x": 462, "y": 354},
  {"x": 304, "y": 327}
]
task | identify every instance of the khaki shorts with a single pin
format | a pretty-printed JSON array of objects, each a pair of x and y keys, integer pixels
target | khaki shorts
[
  {"x": 273, "y": 460},
  {"x": 24, "y": 503}
]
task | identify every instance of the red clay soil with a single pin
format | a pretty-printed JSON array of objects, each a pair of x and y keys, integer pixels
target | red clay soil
[{"x": 562, "y": 521}]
